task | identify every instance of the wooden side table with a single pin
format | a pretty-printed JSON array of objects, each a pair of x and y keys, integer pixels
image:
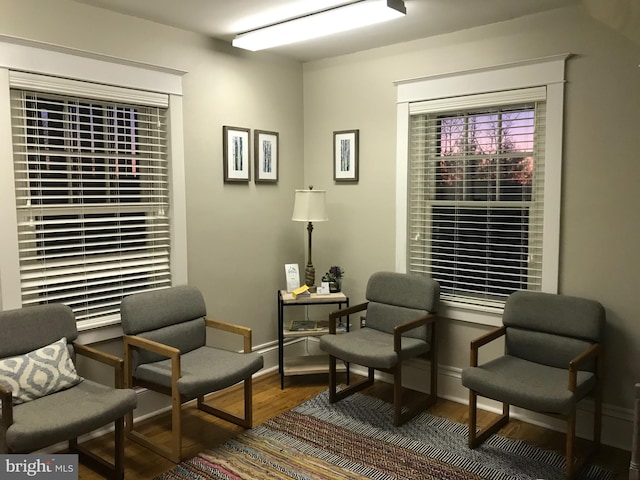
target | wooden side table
[{"x": 305, "y": 364}]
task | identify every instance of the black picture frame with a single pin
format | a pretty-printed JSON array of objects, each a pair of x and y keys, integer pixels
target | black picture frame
[
  {"x": 266, "y": 154},
  {"x": 346, "y": 156},
  {"x": 236, "y": 154}
]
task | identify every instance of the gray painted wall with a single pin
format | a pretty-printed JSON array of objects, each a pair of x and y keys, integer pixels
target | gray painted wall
[
  {"x": 240, "y": 236},
  {"x": 600, "y": 231}
]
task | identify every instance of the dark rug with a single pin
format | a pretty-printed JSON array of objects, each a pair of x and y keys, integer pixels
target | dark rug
[{"x": 355, "y": 438}]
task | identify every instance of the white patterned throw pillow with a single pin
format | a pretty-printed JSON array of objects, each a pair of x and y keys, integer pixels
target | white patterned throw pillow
[{"x": 41, "y": 372}]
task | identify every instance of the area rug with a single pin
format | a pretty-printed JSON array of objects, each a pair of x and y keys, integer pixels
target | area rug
[{"x": 355, "y": 439}]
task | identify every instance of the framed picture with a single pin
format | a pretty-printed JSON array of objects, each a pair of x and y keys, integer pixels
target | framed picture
[
  {"x": 345, "y": 155},
  {"x": 265, "y": 155},
  {"x": 236, "y": 154}
]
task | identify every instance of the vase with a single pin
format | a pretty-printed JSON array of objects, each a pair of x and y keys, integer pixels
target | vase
[{"x": 334, "y": 287}]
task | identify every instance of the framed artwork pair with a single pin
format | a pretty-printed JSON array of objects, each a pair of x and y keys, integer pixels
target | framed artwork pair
[{"x": 236, "y": 155}]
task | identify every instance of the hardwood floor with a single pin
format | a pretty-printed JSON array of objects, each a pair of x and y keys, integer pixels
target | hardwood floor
[{"x": 202, "y": 431}]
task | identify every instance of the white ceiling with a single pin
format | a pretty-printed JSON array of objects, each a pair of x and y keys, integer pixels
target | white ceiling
[{"x": 223, "y": 19}]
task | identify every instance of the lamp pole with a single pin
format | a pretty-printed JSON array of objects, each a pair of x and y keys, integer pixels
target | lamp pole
[{"x": 310, "y": 272}]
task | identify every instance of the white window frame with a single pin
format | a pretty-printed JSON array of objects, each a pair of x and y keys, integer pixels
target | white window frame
[
  {"x": 548, "y": 72},
  {"x": 33, "y": 57}
]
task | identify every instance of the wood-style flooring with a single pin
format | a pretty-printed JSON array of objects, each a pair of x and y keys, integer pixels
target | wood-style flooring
[{"x": 202, "y": 431}]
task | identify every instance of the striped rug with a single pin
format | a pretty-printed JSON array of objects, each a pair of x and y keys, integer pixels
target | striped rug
[{"x": 355, "y": 438}]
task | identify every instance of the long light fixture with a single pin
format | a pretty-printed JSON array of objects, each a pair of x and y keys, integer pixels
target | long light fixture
[{"x": 326, "y": 22}]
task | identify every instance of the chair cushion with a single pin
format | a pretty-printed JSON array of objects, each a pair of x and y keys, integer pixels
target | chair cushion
[
  {"x": 24, "y": 326},
  {"x": 152, "y": 310},
  {"x": 527, "y": 384},
  {"x": 38, "y": 373},
  {"x": 186, "y": 336},
  {"x": 555, "y": 314},
  {"x": 371, "y": 348},
  {"x": 66, "y": 414},
  {"x": 404, "y": 290},
  {"x": 545, "y": 348},
  {"x": 384, "y": 317},
  {"x": 203, "y": 370}
]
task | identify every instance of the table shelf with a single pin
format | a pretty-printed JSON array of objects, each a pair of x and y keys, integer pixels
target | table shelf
[
  {"x": 305, "y": 364},
  {"x": 309, "y": 364}
]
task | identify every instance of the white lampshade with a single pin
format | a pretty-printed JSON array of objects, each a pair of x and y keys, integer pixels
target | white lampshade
[{"x": 309, "y": 206}]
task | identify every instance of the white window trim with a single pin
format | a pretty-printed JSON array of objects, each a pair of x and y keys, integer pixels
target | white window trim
[
  {"x": 32, "y": 57},
  {"x": 548, "y": 72}
]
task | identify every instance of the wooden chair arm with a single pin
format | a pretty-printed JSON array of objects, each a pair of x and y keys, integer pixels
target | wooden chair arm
[
  {"x": 429, "y": 318},
  {"x": 6, "y": 402},
  {"x": 593, "y": 351},
  {"x": 151, "y": 345},
  {"x": 245, "y": 332},
  {"x": 116, "y": 362},
  {"x": 333, "y": 316},
  {"x": 483, "y": 340},
  {"x": 131, "y": 341}
]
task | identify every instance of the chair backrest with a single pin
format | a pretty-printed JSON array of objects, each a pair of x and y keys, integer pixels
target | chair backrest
[
  {"x": 395, "y": 298},
  {"x": 551, "y": 329},
  {"x": 173, "y": 316},
  {"x": 29, "y": 328}
]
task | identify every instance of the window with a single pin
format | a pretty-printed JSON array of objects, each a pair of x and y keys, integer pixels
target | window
[
  {"x": 475, "y": 195},
  {"x": 92, "y": 198},
  {"x": 93, "y": 204},
  {"x": 478, "y": 183}
]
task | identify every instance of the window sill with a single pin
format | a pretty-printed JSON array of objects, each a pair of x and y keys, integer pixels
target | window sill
[
  {"x": 99, "y": 331},
  {"x": 472, "y": 314}
]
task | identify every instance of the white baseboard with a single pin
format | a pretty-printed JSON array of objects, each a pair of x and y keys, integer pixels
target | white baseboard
[{"x": 617, "y": 423}]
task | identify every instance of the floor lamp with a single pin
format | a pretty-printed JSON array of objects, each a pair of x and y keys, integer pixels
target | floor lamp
[{"x": 309, "y": 206}]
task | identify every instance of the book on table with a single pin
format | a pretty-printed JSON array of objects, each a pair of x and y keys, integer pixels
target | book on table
[
  {"x": 302, "y": 292},
  {"x": 302, "y": 325}
]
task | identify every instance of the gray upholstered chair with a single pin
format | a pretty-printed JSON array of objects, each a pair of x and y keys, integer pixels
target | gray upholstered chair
[
  {"x": 37, "y": 369},
  {"x": 400, "y": 325},
  {"x": 166, "y": 351},
  {"x": 634, "y": 467},
  {"x": 552, "y": 360}
]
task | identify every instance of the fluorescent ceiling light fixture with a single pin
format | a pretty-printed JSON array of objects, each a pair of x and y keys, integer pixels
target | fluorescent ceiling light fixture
[{"x": 326, "y": 22}]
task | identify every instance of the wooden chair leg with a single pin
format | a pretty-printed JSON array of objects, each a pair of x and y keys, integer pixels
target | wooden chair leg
[
  {"x": 334, "y": 395},
  {"x": 571, "y": 435},
  {"x": 477, "y": 437},
  {"x": 473, "y": 405},
  {"x": 333, "y": 381},
  {"x": 397, "y": 395},
  {"x": 118, "y": 454},
  {"x": 245, "y": 421},
  {"x": 176, "y": 427}
]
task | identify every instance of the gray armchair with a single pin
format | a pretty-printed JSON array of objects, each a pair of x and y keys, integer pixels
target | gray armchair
[
  {"x": 166, "y": 351},
  {"x": 400, "y": 325},
  {"x": 44, "y": 401},
  {"x": 552, "y": 360},
  {"x": 634, "y": 467}
]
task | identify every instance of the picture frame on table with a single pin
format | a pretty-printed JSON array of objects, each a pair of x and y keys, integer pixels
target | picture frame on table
[
  {"x": 266, "y": 152},
  {"x": 236, "y": 154},
  {"x": 345, "y": 155}
]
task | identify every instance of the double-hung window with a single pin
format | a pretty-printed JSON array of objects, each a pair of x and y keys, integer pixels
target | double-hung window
[
  {"x": 92, "y": 198},
  {"x": 475, "y": 198},
  {"x": 479, "y": 183}
]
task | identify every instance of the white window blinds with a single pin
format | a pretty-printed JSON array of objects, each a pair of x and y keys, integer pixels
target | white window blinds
[
  {"x": 476, "y": 194},
  {"x": 92, "y": 194}
]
